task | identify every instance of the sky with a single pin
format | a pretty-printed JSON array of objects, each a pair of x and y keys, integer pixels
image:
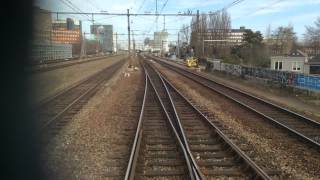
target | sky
[{"x": 253, "y": 14}]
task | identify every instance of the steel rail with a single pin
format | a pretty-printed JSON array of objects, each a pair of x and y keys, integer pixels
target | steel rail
[
  {"x": 65, "y": 109},
  {"x": 190, "y": 168},
  {"x": 259, "y": 172},
  {"x": 130, "y": 172},
  {"x": 50, "y": 66},
  {"x": 192, "y": 75},
  {"x": 182, "y": 135},
  {"x": 75, "y": 85}
]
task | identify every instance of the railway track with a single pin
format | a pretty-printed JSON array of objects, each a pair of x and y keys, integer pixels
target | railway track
[
  {"x": 208, "y": 146},
  {"x": 210, "y": 153},
  {"x": 57, "y": 64},
  {"x": 157, "y": 151},
  {"x": 305, "y": 129},
  {"x": 55, "y": 113}
]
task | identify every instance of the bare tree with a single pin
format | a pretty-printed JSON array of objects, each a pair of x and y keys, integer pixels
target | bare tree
[
  {"x": 210, "y": 27},
  {"x": 147, "y": 41},
  {"x": 219, "y": 26},
  {"x": 312, "y": 37},
  {"x": 268, "y": 35},
  {"x": 284, "y": 40},
  {"x": 185, "y": 32}
]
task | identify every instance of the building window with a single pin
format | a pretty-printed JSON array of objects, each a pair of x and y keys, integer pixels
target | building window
[
  {"x": 278, "y": 65},
  {"x": 296, "y": 66}
]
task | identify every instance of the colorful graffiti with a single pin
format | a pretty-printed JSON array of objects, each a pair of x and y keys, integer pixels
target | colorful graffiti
[
  {"x": 310, "y": 82},
  {"x": 282, "y": 77}
]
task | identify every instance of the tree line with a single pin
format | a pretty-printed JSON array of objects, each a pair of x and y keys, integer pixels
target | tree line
[{"x": 209, "y": 36}]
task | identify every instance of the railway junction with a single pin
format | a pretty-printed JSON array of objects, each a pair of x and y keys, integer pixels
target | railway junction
[
  {"x": 147, "y": 117},
  {"x": 161, "y": 90}
]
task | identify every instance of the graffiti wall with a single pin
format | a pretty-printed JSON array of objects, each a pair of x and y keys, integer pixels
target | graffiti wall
[
  {"x": 282, "y": 77},
  {"x": 310, "y": 82}
]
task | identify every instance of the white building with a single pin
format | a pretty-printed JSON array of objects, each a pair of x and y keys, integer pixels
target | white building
[
  {"x": 297, "y": 61},
  {"x": 161, "y": 42},
  {"x": 234, "y": 37}
]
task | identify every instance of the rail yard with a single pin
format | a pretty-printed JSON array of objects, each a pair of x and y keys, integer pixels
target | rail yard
[
  {"x": 162, "y": 90},
  {"x": 147, "y": 117}
]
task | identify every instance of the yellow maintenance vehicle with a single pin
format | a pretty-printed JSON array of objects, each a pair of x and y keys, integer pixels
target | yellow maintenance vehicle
[{"x": 192, "y": 62}]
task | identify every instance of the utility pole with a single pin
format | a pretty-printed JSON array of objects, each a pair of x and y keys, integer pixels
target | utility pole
[
  {"x": 83, "y": 46},
  {"x": 134, "y": 45},
  {"x": 202, "y": 47},
  {"x": 161, "y": 48},
  {"x": 178, "y": 45},
  {"x": 92, "y": 18},
  {"x": 156, "y": 15},
  {"x": 81, "y": 37},
  {"x": 96, "y": 33},
  {"x": 164, "y": 23},
  {"x": 116, "y": 43},
  {"x": 198, "y": 21},
  {"x": 129, "y": 45}
]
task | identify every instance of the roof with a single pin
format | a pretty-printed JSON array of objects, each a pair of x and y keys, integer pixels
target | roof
[
  {"x": 224, "y": 30},
  {"x": 237, "y": 30},
  {"x": 315, "y": 60},
  {"x": 297, "y": 53}
]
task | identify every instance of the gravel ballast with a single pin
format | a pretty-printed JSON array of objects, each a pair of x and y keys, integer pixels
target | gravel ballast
[
  {"x": 271, "y": 146},
  {"x": 46, "y": 84},
  {"x": 97, "y": 142}
]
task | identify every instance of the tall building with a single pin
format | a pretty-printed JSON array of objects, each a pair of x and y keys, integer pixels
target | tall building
[
  {"x": 66, "y": 31},
  {"x": 236, "y": 35},
  {"x": 233, "y": 37},
  {"x": 104, "y": 36},
  {"x": 160, "y": 41},
  {"x": 45, "y": 44},
  {"x": 42, "y": 25}
]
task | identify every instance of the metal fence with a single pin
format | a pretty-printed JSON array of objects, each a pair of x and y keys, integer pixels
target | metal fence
[{"x": 309, "y": 82}]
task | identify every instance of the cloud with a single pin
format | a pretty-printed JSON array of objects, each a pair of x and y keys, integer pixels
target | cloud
[
  {"x": 303, "y": 17},
  {"x": 254, "y": 8},
  {"x": 197, "y": 4},
  {"x": 252, "y": 13}
]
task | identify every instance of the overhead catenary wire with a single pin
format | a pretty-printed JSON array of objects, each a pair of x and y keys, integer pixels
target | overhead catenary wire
[
  {"x": 140, "y": 7},
  {"x": 110, "y": 17},
  {"x": 164, "y": 5},
  {"x": 145, "y": 14},
  {"x": 232, "y": 4},
  {"x": 72, "y": 7},
  {"x": 236, "y": 2},
  {"x": 156, "y": 20},
  {"x": 93, "y": 5},
  {"x": 264, "y": 7}
]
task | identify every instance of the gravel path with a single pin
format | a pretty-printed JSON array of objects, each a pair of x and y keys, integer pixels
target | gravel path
[
  {"x": 271, "y": 147},
  {"x": 97, "y": 141}
]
